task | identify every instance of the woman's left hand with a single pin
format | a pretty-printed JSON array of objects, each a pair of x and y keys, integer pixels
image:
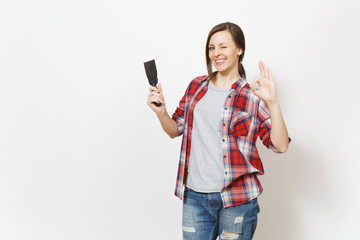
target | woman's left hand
[{"x": 266, "y": 90}]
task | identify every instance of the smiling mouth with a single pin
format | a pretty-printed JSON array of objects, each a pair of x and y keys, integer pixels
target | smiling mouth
[{"x": 219, "y": 61}]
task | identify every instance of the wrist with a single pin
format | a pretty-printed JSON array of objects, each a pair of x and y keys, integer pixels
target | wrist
[
  {"x": 273, "y": 104},
  {"x": 162, "y": 114}
]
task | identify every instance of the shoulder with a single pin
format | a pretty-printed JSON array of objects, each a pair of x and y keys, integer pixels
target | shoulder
[{"x": 199, "y": 79}]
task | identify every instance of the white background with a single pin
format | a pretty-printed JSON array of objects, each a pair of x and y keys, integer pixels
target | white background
[{"x": 82, "y": 156}]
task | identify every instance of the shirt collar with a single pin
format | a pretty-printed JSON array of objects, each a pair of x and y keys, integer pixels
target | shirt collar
[{"x": 239, "y": 84}]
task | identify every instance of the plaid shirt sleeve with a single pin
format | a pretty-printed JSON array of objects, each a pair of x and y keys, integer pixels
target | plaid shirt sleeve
[
  {"x": 265, "y": 126},
  {"x": 178, "y": 115}
]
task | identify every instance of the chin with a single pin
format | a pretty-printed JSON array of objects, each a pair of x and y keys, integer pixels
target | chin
[{"x": 221, "y": 70}]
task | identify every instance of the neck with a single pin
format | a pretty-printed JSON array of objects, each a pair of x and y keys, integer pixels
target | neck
[{"x": 226, "y": 79}]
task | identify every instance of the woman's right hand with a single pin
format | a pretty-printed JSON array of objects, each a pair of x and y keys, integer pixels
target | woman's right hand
[{"x": 156, "y": 95}]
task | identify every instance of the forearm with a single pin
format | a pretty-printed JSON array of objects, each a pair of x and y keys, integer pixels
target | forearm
[
  {"x": 168, "y": 124},
  {"x": 279, "y": 135}
]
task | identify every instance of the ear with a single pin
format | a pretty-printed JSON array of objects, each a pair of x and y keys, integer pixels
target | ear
[{"x": 240, "y": 52}]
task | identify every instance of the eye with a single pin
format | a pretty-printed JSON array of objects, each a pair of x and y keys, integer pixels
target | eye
[
  {"x": 211, "y": 48},
  {"x": 223, "y": 47}
]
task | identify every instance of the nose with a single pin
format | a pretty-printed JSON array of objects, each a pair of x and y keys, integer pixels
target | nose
[{"x": 216, "y": 52}]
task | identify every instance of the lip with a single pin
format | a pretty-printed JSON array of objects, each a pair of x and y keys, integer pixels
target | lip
[{"x": 219, "y": 63}]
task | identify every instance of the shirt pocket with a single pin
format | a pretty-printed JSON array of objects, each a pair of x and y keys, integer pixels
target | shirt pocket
[{"x": 240, "y": 123}]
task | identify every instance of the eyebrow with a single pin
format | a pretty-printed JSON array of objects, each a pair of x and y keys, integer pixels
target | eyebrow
[{"x": 219, "y": 44}]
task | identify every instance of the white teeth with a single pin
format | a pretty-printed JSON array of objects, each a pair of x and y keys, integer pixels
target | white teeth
[{"x": 220, "y": 61}]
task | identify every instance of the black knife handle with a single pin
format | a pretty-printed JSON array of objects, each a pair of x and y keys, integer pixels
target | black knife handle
[{"x": 151, "y": 73}]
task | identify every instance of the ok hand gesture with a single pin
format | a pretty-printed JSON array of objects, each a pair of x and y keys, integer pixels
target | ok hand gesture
[{"x": 266, "y": 90}]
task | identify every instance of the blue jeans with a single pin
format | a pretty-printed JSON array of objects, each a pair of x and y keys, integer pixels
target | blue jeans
[{"x": 205, "y": 218}]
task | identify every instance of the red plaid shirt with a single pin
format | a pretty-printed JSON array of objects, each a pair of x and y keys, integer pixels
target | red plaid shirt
[{"x": 243, "y": 119}]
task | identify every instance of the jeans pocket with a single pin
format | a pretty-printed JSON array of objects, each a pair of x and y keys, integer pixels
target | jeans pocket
[{"x": 256, "y": 207}]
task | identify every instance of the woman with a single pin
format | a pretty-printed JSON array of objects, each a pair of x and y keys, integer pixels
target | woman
[{"x": 220, "y": 117}]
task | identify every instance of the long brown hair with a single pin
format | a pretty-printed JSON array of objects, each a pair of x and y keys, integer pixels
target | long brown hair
[{"x": 237, "y": 36}]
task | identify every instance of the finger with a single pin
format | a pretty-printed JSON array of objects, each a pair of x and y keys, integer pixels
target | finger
[
  {"x": 261, "y": 67},
  {"x": 153, "y": 89},
  {"x": 152, "y": 95},
  {"x": 265, "y": 71},
  {"x": 254, "y": 90},
  {"x": 256, "y": 81},
  {"x": 160, "y": 89},
  {"x": 270, "y": 75},
  {"x": 158, "y": 93},
  {"x": 155, "y": 94},
  {"x": 151, "y": 100},
  {"x": 157, "y": 99}
]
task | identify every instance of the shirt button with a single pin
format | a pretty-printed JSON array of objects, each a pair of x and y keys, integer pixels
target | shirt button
[
  {"x": 223, "y": 140},
  {"x": 226, "y": 173},
  {"x": 224, "y": 124},
  {"x": 226, "y": 108},
  {"x": 224, "y": 156}
]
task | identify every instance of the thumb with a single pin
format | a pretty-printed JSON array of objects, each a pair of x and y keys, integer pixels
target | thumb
[
  {"x": 253, "y": 89},
  {"x": 253, "y": 84},
  {"x": 160, "y": 90}
]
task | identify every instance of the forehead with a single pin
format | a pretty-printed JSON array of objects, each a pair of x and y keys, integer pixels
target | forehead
[{"x": 221, "y": 37}]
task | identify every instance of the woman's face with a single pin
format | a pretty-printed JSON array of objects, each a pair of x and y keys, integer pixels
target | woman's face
[{"x": 223, "y": 52}]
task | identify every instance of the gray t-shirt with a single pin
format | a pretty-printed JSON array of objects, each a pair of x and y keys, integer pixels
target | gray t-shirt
[{"x": 206, "y": 168}]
